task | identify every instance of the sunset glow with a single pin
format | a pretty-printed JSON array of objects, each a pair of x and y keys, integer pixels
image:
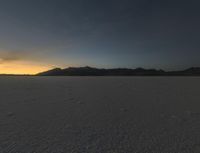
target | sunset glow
[
  {"x": 34, "y": 35},
  {"x": 22, "y": 67}
]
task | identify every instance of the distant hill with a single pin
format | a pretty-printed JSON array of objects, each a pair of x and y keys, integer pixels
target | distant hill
[
  {"x": 90, "y": 71},
  {"x": 193, "y": 71}
]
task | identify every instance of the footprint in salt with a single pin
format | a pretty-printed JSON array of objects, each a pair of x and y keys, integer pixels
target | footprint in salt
[
  {"x": 79, "y": 102},
  {"x": 10, "y": 114},
  {"x": 123, "y": 109},
  {"x": 192, "y": 114}
]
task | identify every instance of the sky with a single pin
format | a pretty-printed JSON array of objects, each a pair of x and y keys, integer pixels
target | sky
[{"x": 37, "y": 35}]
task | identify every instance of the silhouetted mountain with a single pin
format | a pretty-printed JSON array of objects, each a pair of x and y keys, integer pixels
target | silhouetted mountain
[
  {"x": 194, "y": 71},
  {"x": 56, "y": 71},
  {"x": 90, "y": 71}
]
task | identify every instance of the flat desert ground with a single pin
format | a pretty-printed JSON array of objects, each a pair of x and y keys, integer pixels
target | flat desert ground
[{"x": 99, "y": 115}]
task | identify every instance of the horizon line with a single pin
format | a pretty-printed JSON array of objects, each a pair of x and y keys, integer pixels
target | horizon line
[{"x": 34, "y": 74}]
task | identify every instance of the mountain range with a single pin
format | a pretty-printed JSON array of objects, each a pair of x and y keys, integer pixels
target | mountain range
[{"x": 91, "y": 71}]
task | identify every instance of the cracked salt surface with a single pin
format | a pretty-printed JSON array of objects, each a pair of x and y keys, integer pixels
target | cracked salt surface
[{"x": 99, "y": 115}]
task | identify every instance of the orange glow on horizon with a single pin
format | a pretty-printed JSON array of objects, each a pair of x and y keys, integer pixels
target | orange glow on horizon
[{"x": 22, "y": 67}]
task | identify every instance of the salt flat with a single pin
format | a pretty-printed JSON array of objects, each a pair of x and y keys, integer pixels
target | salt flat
[{"x": 99, "y": 115}]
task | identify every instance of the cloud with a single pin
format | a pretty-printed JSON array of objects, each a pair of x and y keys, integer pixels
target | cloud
[
  {"x": 42, "y": 56},
  {"x": 21, "y": 62},
  {"x": 16, "y": 55},
  {"x": 7, "y": 57}
]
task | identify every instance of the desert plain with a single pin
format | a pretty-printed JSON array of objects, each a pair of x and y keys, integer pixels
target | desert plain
[{"x": 99, "y": 114}]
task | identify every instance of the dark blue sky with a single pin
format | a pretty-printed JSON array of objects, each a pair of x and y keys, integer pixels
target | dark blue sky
[{"x": 101, "y": 33}]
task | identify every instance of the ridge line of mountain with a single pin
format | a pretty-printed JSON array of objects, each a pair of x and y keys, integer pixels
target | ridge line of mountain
[{"x": 91, "y": 71}]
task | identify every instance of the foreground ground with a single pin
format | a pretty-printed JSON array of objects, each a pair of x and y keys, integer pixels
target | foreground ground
[{"x": 99, "y": 115}]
